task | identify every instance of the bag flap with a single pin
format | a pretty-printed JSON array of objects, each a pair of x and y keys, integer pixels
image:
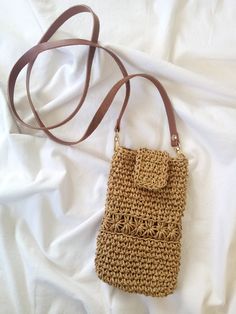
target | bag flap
[{"x": 151, "y": 169}]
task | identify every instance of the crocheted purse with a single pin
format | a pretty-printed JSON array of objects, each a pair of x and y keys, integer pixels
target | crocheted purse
[{"x": 138, "y": 246}]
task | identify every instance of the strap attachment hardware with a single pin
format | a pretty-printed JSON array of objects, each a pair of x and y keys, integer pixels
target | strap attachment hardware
[
  {"x": 178, "y": 150},
  {"x": 116, "y": 140}
]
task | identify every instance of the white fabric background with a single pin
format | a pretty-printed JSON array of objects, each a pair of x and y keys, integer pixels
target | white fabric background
[{"x": 52, "y": 196}]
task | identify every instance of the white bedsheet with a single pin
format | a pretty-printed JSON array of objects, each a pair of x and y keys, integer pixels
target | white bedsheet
[{"x": 52, "y": 196}]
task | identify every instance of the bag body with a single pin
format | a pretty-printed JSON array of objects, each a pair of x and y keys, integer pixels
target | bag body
[{"x": 138, "y": 245}]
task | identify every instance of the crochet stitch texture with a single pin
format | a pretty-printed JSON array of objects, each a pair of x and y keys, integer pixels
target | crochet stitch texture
[{"x": 138, "y": 245}]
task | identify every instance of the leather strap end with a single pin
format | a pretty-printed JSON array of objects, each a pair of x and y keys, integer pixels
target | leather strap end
[
  {"x": 174, "y": 140},
  {"x": 117, "y": 126}
]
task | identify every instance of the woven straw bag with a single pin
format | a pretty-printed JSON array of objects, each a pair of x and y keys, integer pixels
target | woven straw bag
[{"x": 138, "y": 245}]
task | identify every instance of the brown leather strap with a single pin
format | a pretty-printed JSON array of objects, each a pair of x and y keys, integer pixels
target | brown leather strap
[
  {"x": 168, "y": 106},
  {"x": 30, "y": 56}
]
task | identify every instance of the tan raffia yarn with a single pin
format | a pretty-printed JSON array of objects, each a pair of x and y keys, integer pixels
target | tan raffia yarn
[{"x": 138, "y": 246}]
